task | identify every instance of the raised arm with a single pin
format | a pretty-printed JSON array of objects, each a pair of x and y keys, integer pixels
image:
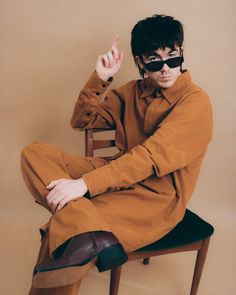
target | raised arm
[{"x": 89, "y": 112}]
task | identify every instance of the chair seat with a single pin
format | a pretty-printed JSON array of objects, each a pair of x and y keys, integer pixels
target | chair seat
[{"x": 190, "y": 229}]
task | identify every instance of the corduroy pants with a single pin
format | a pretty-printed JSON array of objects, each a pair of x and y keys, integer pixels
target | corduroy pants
[
  {"x": 41, "y": 163},
  {"x": 131, "y": 214}
]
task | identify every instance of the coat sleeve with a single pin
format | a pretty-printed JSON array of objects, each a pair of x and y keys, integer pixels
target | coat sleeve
[
  {"x": 89, "y": 112},
  {"x": 178, "y": 141}
]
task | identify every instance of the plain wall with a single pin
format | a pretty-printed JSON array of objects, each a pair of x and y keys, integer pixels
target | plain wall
[{"x": 48, "y": 51}]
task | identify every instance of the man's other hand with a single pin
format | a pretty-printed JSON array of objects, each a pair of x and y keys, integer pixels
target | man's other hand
[{"x": 63, "y": 191}]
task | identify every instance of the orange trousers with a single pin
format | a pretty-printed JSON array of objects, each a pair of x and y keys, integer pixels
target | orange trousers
[
  {"x": 41, "y": 163},
  {"x": 131, "y": 214},
  {"x": 71, "y": 289}
]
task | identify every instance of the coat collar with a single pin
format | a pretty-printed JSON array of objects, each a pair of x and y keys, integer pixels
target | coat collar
[{"x": 170, "y": 94}]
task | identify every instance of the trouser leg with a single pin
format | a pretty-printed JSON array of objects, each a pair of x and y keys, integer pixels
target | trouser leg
[
  {"x": 71, "y": 289},
  {"x": 42, "y": 163}
]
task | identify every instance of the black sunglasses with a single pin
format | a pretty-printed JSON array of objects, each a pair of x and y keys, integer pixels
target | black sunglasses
[{"x": 158, "y": 65}]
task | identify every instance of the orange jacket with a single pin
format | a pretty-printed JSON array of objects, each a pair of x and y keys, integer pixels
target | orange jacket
[{"x": 163, "y": 136}]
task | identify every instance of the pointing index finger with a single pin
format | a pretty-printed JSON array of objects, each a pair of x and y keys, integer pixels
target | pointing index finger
[{"x": 116, "y": 40}]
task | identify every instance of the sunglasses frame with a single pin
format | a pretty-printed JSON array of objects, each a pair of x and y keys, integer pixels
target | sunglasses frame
[{"x": 172, "y": 62}]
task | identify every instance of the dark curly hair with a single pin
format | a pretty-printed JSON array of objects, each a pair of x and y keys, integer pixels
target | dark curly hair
[{"x": 152, "y": 33}]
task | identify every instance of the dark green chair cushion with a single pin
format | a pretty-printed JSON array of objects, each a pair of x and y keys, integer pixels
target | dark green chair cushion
[{"x": 189, "y": 230}]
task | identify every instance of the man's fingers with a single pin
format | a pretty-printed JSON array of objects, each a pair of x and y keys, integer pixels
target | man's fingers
[
  {"x": 105, "y": 60},
  {"x": 51, "y": 195},
  {"x": 56, "y": 202},
  {"x": 116, "y": 40},
  {"x": 53, "y": 199},
  {"x": 115, "y": 52},
  {"x": 54, "y": 182},
  {"x": 114, "y": 48},
  {"x": 50, "y": 185},
  {"x": 110, "y": 58},
  {"x": 121, "y": 56},
  {"x": 62, "y": 203}
]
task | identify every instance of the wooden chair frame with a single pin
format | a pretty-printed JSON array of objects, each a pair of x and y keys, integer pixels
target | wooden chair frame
[{"x": 201, "y": 246}]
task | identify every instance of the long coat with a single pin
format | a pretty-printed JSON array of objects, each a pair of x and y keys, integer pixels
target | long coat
[
  {"x": 162, "y": 136},
  {"x": 142, "y": 193}
]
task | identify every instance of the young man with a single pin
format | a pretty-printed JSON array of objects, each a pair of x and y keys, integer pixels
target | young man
[{"x": 102, "y": 210}]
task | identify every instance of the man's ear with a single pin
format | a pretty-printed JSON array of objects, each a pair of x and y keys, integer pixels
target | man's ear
[
  {"x": 138, "y": 62},
  {"x": 140, "y": 66}
]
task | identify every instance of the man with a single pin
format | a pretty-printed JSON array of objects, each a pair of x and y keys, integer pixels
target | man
[{"x": 103, "y": 210}]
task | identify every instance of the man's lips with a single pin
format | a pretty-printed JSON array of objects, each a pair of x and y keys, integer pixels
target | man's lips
[{"x": 165, "y": 78}]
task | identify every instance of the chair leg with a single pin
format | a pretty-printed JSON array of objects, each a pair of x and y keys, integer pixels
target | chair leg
[
  {"x": 115, "y": 280},
  {"x": 146, "y": 260},
  {"x": 200, "y": 260}
]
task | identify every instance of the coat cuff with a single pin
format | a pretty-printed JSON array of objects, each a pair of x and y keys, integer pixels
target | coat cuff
[
  {"x": 121, "y": 173},
  {"x": 97, "y": 85},
  {"x": 103, "y": 181},
  {"x": 88, "y": 101}
]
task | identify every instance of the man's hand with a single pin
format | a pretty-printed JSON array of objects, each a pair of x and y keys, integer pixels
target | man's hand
[
  {"x": 109, "y": 63},
  {"x": 63, "y": 191}
]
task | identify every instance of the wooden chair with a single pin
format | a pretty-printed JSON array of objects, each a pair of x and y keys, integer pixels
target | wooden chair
[{"x": 191, "y": 234}]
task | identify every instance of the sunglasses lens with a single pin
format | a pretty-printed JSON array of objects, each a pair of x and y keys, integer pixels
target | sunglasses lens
[
  {"x": 175, "y": 62},
  {"x": 154, "y": 66},
  {"x": 158, "y": 65}
]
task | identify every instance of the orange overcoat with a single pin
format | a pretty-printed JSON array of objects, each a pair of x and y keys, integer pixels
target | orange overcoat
[
  {"x": 162, "y": 137},
  {"x": 142, "y": 193}
]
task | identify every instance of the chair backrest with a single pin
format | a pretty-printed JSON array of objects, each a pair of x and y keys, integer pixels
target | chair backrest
[{"x": 92, "y": 144}]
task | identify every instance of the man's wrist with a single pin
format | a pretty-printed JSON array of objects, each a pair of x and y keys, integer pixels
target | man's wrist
[
  {"x": 83, "y": 184},
  {"x": 106, "y": 79}
]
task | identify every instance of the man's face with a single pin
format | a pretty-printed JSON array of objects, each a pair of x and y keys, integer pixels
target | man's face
[{"x": 165, "y": 77}]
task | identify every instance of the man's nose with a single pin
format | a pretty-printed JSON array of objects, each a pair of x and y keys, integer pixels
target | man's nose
[{"x": 165, "y": 68}]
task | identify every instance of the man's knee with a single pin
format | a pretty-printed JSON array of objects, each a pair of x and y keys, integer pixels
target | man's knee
[
  {"x": 37, "y": 148},
  {"x": 26, "y": 152},
  {"x": 30, "y": 148}
]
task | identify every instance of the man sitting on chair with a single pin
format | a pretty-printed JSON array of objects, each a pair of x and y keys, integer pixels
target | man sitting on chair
[{"x": 102, "y": 210}]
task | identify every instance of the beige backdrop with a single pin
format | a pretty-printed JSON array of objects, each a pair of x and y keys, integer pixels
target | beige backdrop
[{"x": 48, "y": 50}]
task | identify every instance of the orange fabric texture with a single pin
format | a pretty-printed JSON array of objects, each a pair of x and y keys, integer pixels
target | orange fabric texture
[
  {"x": 70, "y": 289},
  {"x": 143, "y": 192},
  {"x": 159, "y": 136}
]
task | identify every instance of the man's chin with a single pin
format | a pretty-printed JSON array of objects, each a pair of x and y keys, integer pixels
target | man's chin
[{"x": 165, "y": 85}]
